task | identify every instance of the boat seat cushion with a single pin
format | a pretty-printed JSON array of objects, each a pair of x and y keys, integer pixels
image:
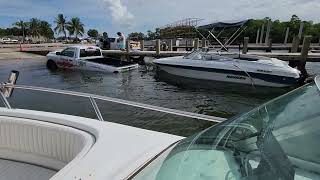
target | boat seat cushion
[
  {"x": 42, "y": 143},
  {"x": 11, "y": 170}
]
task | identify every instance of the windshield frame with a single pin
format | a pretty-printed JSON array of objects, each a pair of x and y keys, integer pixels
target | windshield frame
[
  {"x": 317, "y": 81},
  {"x": 230, "y": 122}
]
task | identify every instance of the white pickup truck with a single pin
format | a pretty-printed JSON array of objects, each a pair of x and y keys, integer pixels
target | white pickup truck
[{"x": 86, "y": 58}]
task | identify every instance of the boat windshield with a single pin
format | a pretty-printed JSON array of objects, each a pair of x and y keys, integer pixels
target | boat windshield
[
  {"x": 211, "y": 56},
  {"x": 196, "y": 55},
  {"x": 273, "y": 141}
]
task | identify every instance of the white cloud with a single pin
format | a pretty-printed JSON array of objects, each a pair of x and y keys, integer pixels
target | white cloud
[
  {"x": 155, "y": 13},
  {"x": 119, "y": 13},
  {"x": 143, "y": 15}
]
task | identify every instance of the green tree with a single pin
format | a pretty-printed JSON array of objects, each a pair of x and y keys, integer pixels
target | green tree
[
  {"x": 93, "y": 33},
  {"x": 45, "y": 30},
  {"x": 61, "y": 25},
  {"x": 136, "y": 36},
  {"x": 153, "y": 35},
  {"x": 22, "y": 25},
  {"x": 34, "y": 27},
  {"x": 75, "y": 27}
]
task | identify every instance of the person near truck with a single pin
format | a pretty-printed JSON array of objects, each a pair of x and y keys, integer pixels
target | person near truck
[
  {"x": 106, "y": 41},
  {"x": 122, "y": 41}
]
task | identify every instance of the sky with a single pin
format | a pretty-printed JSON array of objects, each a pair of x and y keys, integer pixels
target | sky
[{"x": 141, "y": 15}]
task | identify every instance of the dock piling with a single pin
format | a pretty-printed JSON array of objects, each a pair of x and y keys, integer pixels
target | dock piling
[
  {"x": 295, "y": 44},
  {"x": 196, "y": 43},
  {"x": 269, "y": 49},
  {"x": 286, "y": 36},
  {"x": 268, "y": 33},
  {"x": 301, "y": 30},
  {"x": 158, "y": 46},
  {"x": 128, "y": 45},
  {"x": 170, "y": 45},
  {"x": 141, "y": 45},
  {"x": 245, "y": 45},
  {"x": 257, "y": 38},
  {"x": 304, "y": 54},
  {"x": 262, "y": 34},
  {"x": 203, "y": 43}
]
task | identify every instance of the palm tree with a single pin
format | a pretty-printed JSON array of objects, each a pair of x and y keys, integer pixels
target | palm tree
[
  {"x": 23, "y": 26},
  {"x": 75, "y": 27},
  {"x": 34, "y": 25},
  {"x": 61, "y": 25}
]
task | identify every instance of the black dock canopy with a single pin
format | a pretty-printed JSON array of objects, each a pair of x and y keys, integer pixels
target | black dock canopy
[{"x": 223, "y": 25}]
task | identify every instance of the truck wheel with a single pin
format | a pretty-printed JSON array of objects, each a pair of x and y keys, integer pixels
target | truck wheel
[{"x": 52, "y": 65}]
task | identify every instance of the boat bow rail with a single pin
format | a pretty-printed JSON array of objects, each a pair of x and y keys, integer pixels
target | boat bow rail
[{"x": 93, "y": 98}]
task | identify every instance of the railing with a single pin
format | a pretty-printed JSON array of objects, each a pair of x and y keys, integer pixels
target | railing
[{"x": 93, "y": 98}]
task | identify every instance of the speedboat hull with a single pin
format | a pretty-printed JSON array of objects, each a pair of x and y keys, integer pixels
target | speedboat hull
[
  {"x": 233, "y": 72},
  {"x": 230, "y": 76}
]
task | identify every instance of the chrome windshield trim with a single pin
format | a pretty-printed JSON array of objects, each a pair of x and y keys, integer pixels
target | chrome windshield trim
[
  {"x": 96, "y": 109},
  {"x": 4, "y": 100},
  {"x": 123, "y": 102},
  {"x": 317, "y": 81}
]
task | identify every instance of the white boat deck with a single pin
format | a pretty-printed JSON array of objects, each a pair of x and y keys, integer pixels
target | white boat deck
[{"x": 22, "y": 171}]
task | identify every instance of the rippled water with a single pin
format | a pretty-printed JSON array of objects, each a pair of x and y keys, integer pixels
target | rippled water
[{"x": 144, "y": 85}]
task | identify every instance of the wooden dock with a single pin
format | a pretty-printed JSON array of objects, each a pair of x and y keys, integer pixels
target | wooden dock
[
  {"x": 314, "y": 57},
  {"x": 158, "y": 53}
]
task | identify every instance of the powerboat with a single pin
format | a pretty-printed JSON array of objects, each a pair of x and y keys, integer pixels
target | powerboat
[
  {"x": 231, "y": 67},
  {"x": 41, "y": 145},
  {"x": 221, "y": 65},
  {"x": 274, "y": 141}
]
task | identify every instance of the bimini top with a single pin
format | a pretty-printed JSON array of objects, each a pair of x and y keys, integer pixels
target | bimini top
[{"x": 223, "y": 25}]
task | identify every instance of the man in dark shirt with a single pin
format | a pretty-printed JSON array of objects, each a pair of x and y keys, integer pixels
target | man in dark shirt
[{"x": 105, "y": 41}]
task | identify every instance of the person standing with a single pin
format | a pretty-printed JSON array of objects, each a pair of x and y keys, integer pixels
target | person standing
[
  {"x": 106, "y": 41},
  {"x": 122, "y": 41}
]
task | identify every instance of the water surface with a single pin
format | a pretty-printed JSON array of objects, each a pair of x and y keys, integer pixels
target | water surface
[{"x": 144, "y": 85}]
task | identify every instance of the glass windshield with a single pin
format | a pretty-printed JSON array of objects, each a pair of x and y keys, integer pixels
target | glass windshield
[
  {"x": 89, "y": 53},
  {"x": 196, "y": 55},
  {"x": 274, "y": 141}
]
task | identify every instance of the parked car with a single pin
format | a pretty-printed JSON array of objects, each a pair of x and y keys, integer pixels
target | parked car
[{"x": 8, "y": 41}]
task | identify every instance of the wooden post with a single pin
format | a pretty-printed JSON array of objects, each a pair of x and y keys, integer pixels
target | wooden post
[
  {"x": 141, "y": 45},
  {"x": 262, "y": 34},
  {"x": 128, "y": 45},
  {"x": 304, "y": 54},
  {"x": 269, "y": 49},
  {"x": 268, "y": 33},
  {"x": 257, "y": 38},
  {"x": 245, "y": 45},
  {"x": 286, "y": 37},
  {"x": 170, "y": 45},
  {"x": 301, "y": 30},
  {"x": 158, "y": 47},
  {"x": 186, "y": 45},
  {"x": 203, "y": 43},
  {"x": 295, "y": 44},
  {"x": 196, "y": 43}
]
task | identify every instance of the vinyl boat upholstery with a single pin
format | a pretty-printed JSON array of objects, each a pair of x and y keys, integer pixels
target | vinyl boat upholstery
[
  {"x": 35, "y": 150},
  {"x": 37, "y": 145}
]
